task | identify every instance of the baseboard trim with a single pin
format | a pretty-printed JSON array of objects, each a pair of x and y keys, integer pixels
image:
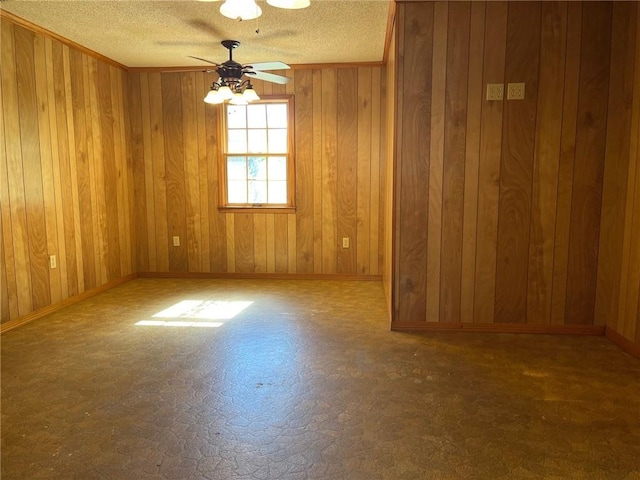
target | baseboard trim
[
  {"x": 260, "y": 276},
  {"x": 30, "y": 317},
  {"x": 595, "y": 330},
  {"x": 624, "y": 343}
]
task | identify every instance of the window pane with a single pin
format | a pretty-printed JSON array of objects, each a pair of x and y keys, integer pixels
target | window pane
[
  {"x": 257, "y": 191},
  {"x": 277, "y": 115},
  {"x": 257, "y": 168},
  {"x": 236, "y": 116},
  {"x": 257, "y": 141},
  {"x": 237, "y": 168},
  {"x": 277, "y": 168},
  {"x": 237, "y": 141},
  {"x": 278, "y": 141},
  {"x": 277, "y": 191},
  {"x": 257, "y": 116},
  {"x": 237, "y": 192}
]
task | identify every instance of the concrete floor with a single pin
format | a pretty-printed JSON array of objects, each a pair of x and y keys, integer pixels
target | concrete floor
[{"x": 303, "y": 382}]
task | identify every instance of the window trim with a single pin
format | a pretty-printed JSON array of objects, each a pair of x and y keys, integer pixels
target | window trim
[{"x": 290, "y": 207}]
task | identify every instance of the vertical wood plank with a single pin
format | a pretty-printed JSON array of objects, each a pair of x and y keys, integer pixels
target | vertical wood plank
[
  {"x": 616, "y": 165},
  {"x": 281, "y": 238},
  {"x": 230, "y": 231},
  {"x": 489, "y": 171},
  {"x": 436, "y": 160},
  {"x": 148, "y": 170},
  {"x": 114, "y": 269},
  {"x": 318, "y": 153},
  {"x": 203, "y": 169},
  {"x": 260, "y": 242},
  {"x": 82, "y": 174},
  {"x": 156, "y": 108},
  {"x": 522, "y": 64},
  {"x": 15, "y": 175},
  {"x": 347, "y": 167},
  {"x": 174, "y": 161},
  {"x": 271, "y": 242},
  {"x": 455, "y": 127},
  {"x": 363, "y": 175},
  {"x": 567, "y": 161},
  {"x": 10, "y": 302},
  {"x": 376, "y": 172},
  {"x": 304, "y": 153},
  {"x": 329, "y": 170},
  {"x": 55, "y": 166},
  {"x": 472, "y": 160},
  {"x": 139, "y": 175},
  {"x": 32, "y": 168},
  {"x": 218, "y": 226},
  {"x": 546, "y": 162},
  {"x": 100, "y": 220},
  {"x": 590, "y": 150},
  {"x": 291, "y": 243},
  {"x": 244, "y": 243},
  {"x": 75, "y": 211},
  {"x": 191, "y": 171},
  {"x": 414, "y": 119}
]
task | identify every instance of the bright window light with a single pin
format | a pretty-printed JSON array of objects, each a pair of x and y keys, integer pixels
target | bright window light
[{"x": 174, "y": 323}]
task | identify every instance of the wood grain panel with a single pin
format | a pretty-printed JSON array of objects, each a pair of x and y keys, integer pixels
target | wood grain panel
[
  {"x": 244, "y": 243},
  {"x": 413, "y": 169},
  {"x": 472, "y": 160},
  {"x": 489, "y": 170},
  {"x": 518, "y": 141},
  {"x": 617, "y": 156},
  {"x": 82, "y": 168},
  {"x": 347, "y": 166},
  {"x": 546, "y": 162},
  {"x": 52, "y": 131},
  {"x": 376, "y": 173},
  {"x": 328, "y": 127},
  {"x": 590, "y": 149},
  {"x": 567, "y": 161},
  {"x": 110, "y": 173},
  {"x": 14, "y": 168},
  {"x": 436, "y": 159},
  {"x": 139, "y": 174},
  {"x": 453, "y": 180},
  {"x": 191, "y": 172},
  {"x": 364, "y": 166},
  {"x": 32, "y": 169},
  {"x": 175, "y": 171},
  {"x": 304, "y": 171}
]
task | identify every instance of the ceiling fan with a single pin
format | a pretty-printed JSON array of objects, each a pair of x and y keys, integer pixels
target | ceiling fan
[{"x": 231, "y": 84}]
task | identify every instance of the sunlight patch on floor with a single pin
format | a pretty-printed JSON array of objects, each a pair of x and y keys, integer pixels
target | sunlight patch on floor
[{"x": 195, "y": 311}]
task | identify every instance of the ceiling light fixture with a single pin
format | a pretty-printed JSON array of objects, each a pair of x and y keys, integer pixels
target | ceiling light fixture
[
  {"x": 249, "y": 9},
  {"x": 233, "y": 89}
]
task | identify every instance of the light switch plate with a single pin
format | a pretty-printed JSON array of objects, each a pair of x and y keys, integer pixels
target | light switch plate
[{"x": 176, "y": 241}]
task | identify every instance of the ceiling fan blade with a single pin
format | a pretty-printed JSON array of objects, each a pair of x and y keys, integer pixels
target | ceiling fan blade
[
  {"x": 268, "y": 66},
  {"x": 269, "y": 77},
  {"x": 204, "y": 60}
]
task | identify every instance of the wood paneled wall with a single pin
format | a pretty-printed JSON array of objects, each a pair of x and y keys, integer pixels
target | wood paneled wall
[
  {"x": 339, "y": 166},
  {"x": 618, "y": 287},
  {"x": 498, "y": 205},
  {"x": 65, "y": 175}
]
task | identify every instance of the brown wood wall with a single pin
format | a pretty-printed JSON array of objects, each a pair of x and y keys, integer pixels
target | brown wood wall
[
  {"x": 498, "y": 205},
  {"x": 339, "y": 166},
  {"x": 618, "y": 283},
  {"x": 65, "y": 174}
]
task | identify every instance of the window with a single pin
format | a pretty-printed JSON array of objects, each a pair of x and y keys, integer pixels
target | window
[{"x": 257, "y": 158}]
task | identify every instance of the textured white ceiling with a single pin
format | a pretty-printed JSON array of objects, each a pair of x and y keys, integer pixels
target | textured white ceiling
[{"x": 163, "y": 33}]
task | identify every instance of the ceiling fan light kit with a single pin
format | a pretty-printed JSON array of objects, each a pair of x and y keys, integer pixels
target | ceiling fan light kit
[
  {"x": 230, "y": 85},
  {"x": 289, "y": 4},
  {"x": 240, "y": 9},
  {"x": 249, "y": 9}
]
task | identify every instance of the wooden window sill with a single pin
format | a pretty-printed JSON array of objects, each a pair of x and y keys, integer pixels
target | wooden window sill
[{"x": 252, "y": 209}]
